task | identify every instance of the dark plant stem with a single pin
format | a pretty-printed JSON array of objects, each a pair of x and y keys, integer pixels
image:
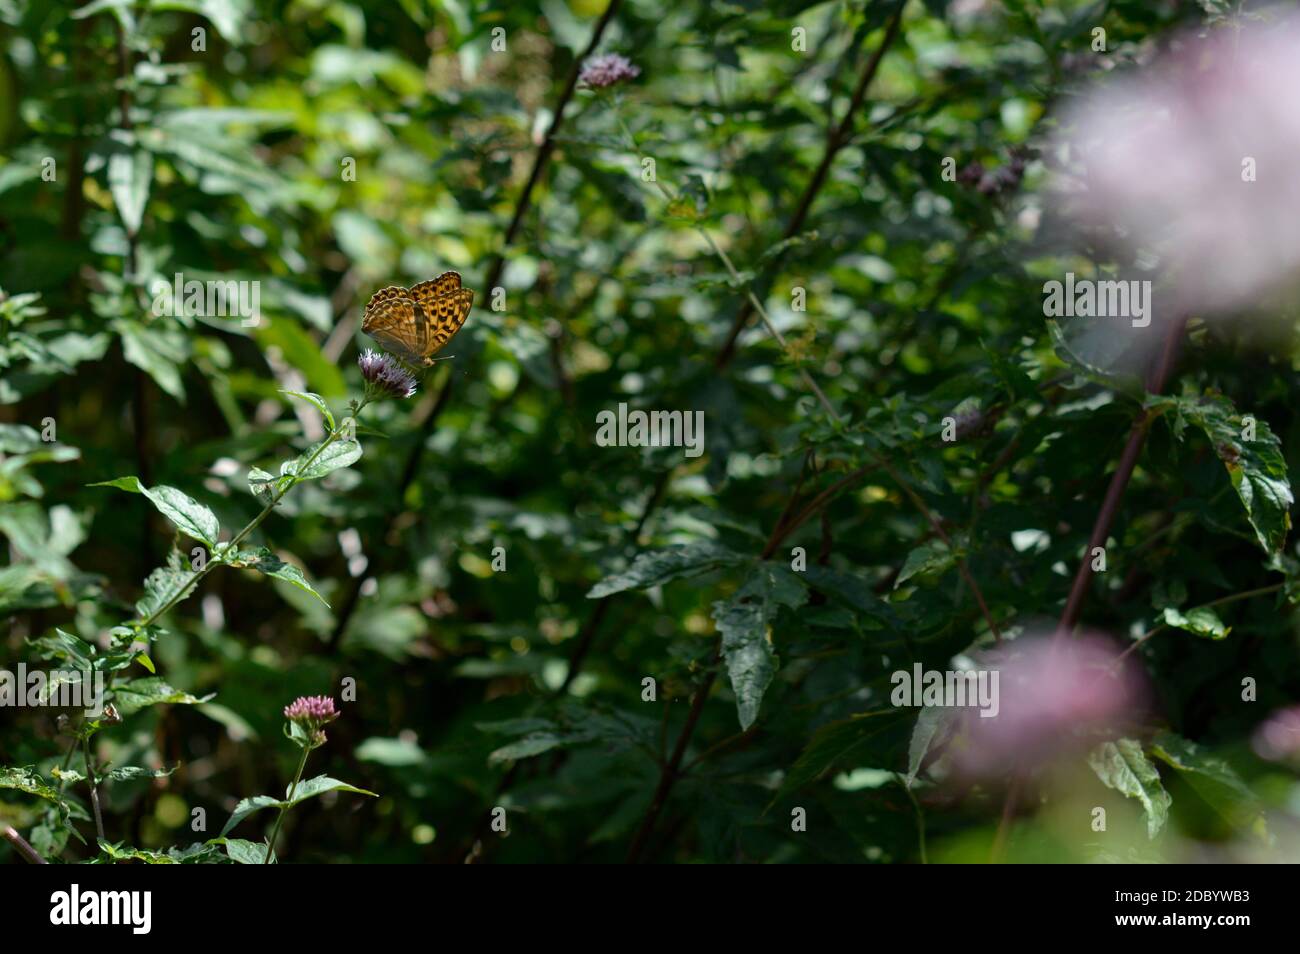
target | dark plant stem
[
  {"x": 279, "y": 819},
  {"x": 20, "y": 845},
  {"x": 669, "y": 774},
  {"x": 94, "y": 788},
  {"x": 1119, "y": 480},
  {"x": 836, "y": 139},
  {"x": 1156, "y": 380}
]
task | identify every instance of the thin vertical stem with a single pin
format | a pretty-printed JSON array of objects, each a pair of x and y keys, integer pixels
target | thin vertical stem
[
  {"x": 279, "y": 820},
  {"x": 94, "y": 788}
]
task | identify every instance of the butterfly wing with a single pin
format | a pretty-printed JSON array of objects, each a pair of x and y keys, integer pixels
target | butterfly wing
[
  {"x": 392, "y": 320},
  {"x": 444, "y": 306},
  {"x": 384, "y": 294},
  {"x": 444, "y": 284}
]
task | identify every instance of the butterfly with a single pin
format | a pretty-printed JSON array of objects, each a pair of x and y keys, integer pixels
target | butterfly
[{"x": 415, "y": 323}]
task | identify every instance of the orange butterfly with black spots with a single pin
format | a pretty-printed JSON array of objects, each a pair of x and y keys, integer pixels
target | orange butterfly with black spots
[{"x": 415, "y": 323}]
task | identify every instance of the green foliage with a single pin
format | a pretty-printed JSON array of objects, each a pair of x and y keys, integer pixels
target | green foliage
[{"x": 631, "y": 651}]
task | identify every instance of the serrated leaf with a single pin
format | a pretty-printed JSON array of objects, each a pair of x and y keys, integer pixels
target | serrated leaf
[
  {"x": 27, "y": 781},
  {"x": 308, "y": 789},
  {"x": 744, "y": 623},
  {"x": 929, "y": 559},
  {"x": 930, "y": 724},
  {"x": 339, "y": 454},
  {"x": 316, "y": 401},
  {"x": 243, "y": 852},
  {"x": 130, "y": 174},
  {"x": 1123, "y": 766},
  {"x": 659, "y": 566},
  {"x": 190, "y": 517},
  {"x": 160, "y": 587},
  {"x": 1212, "y": 778},
  {"x": 1200, "y": 621},
  {"x": 1256, "y": 467},
  {"x": 261, "y": 484},
  {"x": 140, "y": 694},
  {"x": 264, "y": 561},
  {"x": 870, "y": 738}
]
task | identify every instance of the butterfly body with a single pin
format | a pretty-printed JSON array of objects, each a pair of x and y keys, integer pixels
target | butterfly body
[{"x": 415, "y": 323}]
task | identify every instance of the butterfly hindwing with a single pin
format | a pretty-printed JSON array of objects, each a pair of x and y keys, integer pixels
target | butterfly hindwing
[{"x": 391, "y": 320}]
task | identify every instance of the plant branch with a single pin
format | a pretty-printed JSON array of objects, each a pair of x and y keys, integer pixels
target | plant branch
[
  {"x": 836, "y": 139},
  {"x": 1120, "y": 479},
  {"x": 20, "y": 845},
  {"x": 94, "y": 788}
]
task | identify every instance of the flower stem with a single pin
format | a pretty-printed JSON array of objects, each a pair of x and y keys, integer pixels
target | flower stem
[
  {"x": 302, "y": 764},
  {"x": 94, "y": 789},
  {"x": 20, "y": 845}
]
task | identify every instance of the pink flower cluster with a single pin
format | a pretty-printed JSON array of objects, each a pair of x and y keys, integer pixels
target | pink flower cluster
[
  {"x": 385, "y": 376},
  {"x": 1192, "y": 157},
  {"x": 1278, "y": 737},
  {"x": 600, "y": 72},
  {"x": 1057, "y": 697},
  {"x": 311, "y": 712}
]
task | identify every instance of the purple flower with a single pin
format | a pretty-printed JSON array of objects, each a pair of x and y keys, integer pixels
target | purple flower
[
  {"x": 1191, "y": 159},
  {"x": 600, "y": 72},
  {"x": 385, "y": 376},
  {"x": 311, "y": 714},
  {"x": 1277, "y": 738},
  {"x": 1055, "y": 697}
]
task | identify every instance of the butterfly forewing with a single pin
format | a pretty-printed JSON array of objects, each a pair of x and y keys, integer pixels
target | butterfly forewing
[
  {"x": 414, "y": 324},
  {"x": 444, "y": 284}
]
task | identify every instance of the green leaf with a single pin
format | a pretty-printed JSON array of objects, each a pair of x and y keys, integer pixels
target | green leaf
[
  {"x": 659, "y": 566},
  {"x": 159, "y": 352},
  {"x": 124, "y": 852},
  {"x": 1212, "y": 778},
  {"x": 1123, "y": 766},
  {"x": 930, "y": 723},
  {"x": 264, "y": 561},
  {"x": 1256, "y": 467},
  {"x": 339, "y": 454},
  {"x": 27, "y": 781},
  {"x": 190, "y": 517},
  {"x": 929, "y": 559},
  {"x": 243, "y": 852},
  {"x": 868, "y": 738},
  {"x": 140, "y": 694},
  {"x": 745, "y": 624},
  {"x": 535, "y": 743},
  {"x": 315, "y": 400},
  {"x": 1201, "y": 621},
  {"x": 159, "y": 588},
  {"x": 129, "y": 176},
  {"x": 262, "y": 484},
  {"x": 309, "y": 789}
]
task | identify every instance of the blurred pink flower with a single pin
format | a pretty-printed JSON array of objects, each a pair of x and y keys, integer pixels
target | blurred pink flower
[
  {"x": 603, "y": 71},
  {"x": 1277, "y": 738},
  {"x": 1169, "y": 153},
  {"x": 1056, "y": 697}
]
